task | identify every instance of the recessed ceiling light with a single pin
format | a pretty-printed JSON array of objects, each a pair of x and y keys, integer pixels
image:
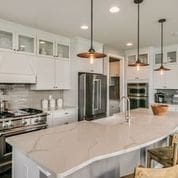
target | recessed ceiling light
[
  {"x": 129, "y": 44},
  {"x": 84, "y": 27},
  {"x": 114, "y": 9},
  {"x": 42, "y": 42}
]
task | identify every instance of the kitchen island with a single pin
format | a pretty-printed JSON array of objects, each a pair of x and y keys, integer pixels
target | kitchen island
[{"x": 61, "y": 151}]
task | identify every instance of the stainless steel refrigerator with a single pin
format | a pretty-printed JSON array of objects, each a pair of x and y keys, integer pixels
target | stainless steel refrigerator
[{"x": 91, "y": 96}]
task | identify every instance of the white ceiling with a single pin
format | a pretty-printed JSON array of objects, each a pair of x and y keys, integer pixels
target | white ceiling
[{"x": 65, "y": 17}]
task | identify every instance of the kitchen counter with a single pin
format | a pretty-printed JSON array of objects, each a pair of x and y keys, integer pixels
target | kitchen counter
[{"x": 65, "y": 149}]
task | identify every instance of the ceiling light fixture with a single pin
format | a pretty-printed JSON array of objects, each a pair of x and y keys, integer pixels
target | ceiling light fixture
[
  {"x": 162, "y": 68},
  {"x": 138, "y": 63},
  {"x": 129, "y": 44},
  {"x": 84, "y": 27},
  {"x": 42, "y": 42},
  {"x": 114, "y": 9},
  {"x": 91, "y": 54}
]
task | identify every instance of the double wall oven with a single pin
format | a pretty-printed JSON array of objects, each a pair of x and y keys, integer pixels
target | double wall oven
[{"x": 138, "y": 95}]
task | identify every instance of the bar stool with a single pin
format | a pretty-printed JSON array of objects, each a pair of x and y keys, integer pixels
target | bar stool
[
  {"x": 167, "y": 156},
  {"x": 171, "y": 172}
]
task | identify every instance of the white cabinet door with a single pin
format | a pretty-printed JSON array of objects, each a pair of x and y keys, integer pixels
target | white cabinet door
[
  {"x": 62, "y": 74},
  {"x": 72, "y": 114},
  {"x": 45, "y": 74},
  {"x": 16, "y": 68}
]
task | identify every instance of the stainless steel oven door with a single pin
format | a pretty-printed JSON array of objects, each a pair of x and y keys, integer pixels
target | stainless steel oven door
[
  {"x": 137, "y": 91},
  {"x": 138, "y": 102}
]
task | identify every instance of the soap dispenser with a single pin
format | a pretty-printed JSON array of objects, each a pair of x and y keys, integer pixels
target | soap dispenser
[{"x": 52, "y": 103}]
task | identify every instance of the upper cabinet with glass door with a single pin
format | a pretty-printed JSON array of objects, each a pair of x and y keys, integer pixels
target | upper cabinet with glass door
[
  {"x": 62, "y": 49},
  {"x": 6, "y": 39},
  {"x": 53, "y": 48},
  {"x": 45, "y": 47},
  {"x": 143, "y": 58},
  {"x": 26, "y": 43},
  {"x": 169, "y": 55},
  {"x": 19, "y": 42}
]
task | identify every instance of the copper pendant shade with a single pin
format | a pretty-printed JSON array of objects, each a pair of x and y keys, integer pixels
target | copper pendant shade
[
  {"x": 138, "y": 63},
  {"x": 91, "y": 54},
  {"x": 162, "y": 68}
]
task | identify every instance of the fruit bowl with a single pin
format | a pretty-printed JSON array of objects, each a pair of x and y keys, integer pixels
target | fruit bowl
[{"x": 159, "y": 109}]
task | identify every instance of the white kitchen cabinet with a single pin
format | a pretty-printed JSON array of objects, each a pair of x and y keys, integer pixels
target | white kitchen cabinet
[
  {"x": 52, "y": 74},
  {"x": 62, "y": 116},
  {"x": 168, "y": 79},
  {"x": 132, "y": 75},
  {"x": 170, "y": 54},
  {"x": 25, "y": 43},
  {"x": 16, "y": 68},
  {"x": 17, "y": 41},
  {"x": 53, "y": 46},
  {"x": 62, "y": 74},
  {"x": 45, "y": 74}
]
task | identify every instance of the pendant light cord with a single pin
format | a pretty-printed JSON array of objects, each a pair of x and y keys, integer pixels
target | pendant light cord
[
  {"x": 161, "y": 43},
  {"x": 138, "y": 34},
  {"x": 91, "y": 24}
]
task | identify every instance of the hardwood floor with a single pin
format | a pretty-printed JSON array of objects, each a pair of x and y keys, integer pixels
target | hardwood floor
[{"x": 129, "y": 176}]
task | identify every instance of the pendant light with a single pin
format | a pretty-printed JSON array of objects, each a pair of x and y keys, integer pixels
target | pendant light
[
  {"x": 162, "y": 68},
  {"x": 138, "y": 63},
  {"x": 91, "y": 54}
]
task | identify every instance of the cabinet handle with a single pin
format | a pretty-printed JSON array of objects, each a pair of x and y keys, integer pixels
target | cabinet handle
[{"x": 66, "y": 113}]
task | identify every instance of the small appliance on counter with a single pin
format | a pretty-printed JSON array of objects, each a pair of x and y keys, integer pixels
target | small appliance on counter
[
  {"x": 175, "y": 99},
  {"x": 159, "y": 97}
]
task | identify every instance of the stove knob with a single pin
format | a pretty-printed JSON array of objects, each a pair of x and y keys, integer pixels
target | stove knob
[
  {"x": 24, "y": 122},
  {"x": 10, "y": 124},
  {"x": 5, "y": 125},
  {"x": 36, "y": 120}
]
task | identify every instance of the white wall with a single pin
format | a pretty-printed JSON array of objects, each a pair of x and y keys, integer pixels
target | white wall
[{"x": 111, "y": 52}]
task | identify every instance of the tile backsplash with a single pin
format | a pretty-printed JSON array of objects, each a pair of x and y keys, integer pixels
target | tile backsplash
[
  {"x": 20, "y": 95},
  {"x": 168, "y": 93}
]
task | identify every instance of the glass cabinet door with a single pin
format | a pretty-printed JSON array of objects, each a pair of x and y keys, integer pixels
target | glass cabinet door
[
  {"x": 26, "y": 44},
  {"x": 46, "y": 47},
  {"x": 131, "y": 59},
  {"x": 62, "y": 51},
  {"x": 6, "y": 40},
  {"x": 158, "y": 58},
  {"x": 171, "y": 57},
  {"x": 143, "y": 58}
]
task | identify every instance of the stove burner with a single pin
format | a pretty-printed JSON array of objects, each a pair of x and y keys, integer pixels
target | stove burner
[
  {"x": 31, "y": 111},
  {"x": 6, "y": 115}
]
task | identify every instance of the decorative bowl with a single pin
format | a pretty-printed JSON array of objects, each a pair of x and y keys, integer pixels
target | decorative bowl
[{"x": 159, "y": 109}]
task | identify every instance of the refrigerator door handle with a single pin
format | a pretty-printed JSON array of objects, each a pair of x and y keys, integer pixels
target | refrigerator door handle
[
  {"x": 84, "y": 99},
  {"x": 100, "y": 106}
]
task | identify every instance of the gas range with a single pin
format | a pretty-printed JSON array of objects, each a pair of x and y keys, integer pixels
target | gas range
[
  {"x": 14, "y": 123},
  {"x": 21, "y": 119}
]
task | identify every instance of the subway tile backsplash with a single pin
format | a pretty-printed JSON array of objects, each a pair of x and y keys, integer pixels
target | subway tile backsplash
[
  {"x": 20, "y": 95},
  {"x": 168, "y": 93}
]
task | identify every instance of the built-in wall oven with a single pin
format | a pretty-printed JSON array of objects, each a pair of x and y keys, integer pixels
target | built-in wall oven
[{"x": 138, "y": 95}]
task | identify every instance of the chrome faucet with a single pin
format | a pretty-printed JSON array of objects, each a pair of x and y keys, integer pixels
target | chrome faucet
[{"x": 127, "y": 108}]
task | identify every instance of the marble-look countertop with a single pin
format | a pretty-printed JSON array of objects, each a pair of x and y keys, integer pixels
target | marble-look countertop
[{"x": 65, "y": 149}]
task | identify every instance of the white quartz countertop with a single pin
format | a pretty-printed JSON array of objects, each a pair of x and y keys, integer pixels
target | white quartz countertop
[{"x": 65, "y": 149}]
